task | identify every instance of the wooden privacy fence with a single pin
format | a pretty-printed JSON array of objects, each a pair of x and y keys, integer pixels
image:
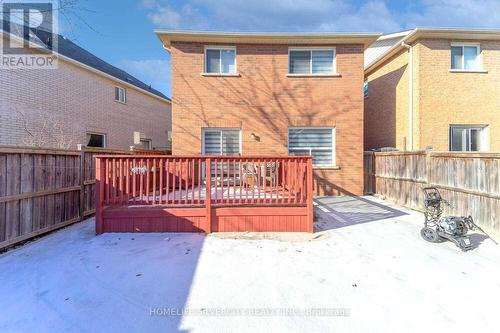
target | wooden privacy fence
[
  {"x": 180, "y": 186},
  {"x": 470, "y": 181},
  {"x": 45, "y": 189}
]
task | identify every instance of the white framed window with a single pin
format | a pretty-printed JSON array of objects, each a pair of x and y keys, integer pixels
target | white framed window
[
  {"x": 145, "y": 143},
  {"x": 468, "y": 138},
  {"x": 316, "y": 61},
  {"x": 221, "y": 141},
  {"x": 319, "y": 142},
  {"x": 465, "y": 57},
  {"x": 96, "y": 140},
  {"x": 220, "y": 60},
  {"x": 120, "y": 95}
]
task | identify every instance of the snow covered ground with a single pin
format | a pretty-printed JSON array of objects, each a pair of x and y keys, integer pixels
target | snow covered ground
[{"x": 365, "y": 260}]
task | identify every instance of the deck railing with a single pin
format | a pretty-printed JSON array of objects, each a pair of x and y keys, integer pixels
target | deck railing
[{"x": 200, "y": 180}]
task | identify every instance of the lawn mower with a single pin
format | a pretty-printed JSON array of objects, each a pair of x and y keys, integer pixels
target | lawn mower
[{"x": 453, "y": 228}]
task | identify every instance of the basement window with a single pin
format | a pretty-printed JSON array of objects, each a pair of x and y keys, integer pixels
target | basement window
[
  {"x": 146, "y": 144},
  {"x": 96, "y": 140}
]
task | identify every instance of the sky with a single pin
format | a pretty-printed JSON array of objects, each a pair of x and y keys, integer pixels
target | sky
[{"x": 121, "y": 31}]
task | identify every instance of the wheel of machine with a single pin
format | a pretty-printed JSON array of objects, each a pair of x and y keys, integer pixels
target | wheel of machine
[
  {"x": 462, "y": 229},
  {"x": 430, "y": 235}
]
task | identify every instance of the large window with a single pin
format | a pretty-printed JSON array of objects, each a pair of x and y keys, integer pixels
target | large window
[
  {"x": 315, "y": 141},
  {"x": 468, "y": 138},
  {"x": 465, "y": 57},
  {"x": 311, "y": 61},
  {"x": 220, "y": 60},
  {"x": 96, "y": 140},
  {"x": 221, "y": 141}
]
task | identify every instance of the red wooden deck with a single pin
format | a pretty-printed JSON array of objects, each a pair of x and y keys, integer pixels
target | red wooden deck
[{"x": 203, "y": 194}]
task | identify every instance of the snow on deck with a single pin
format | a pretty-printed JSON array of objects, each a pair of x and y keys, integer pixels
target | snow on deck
[{"x": 365, "y": 256}]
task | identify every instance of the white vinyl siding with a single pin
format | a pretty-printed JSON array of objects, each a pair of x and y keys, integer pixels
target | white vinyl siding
[
  {"x": 220, "y": 60},
  {"x": 311, "y": 61},
  {"x": 468, "y": 138},
  {"x": 465, "y": 57},
  {"x": 226, "y": 142},
  {"x": 315, "y": 141}
]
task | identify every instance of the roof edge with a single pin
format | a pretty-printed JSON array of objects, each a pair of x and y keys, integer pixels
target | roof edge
[
  {"x": 97, "y": 71},
  {"x": 429, "y": 32},
  {"x": 167, "y": 36}
]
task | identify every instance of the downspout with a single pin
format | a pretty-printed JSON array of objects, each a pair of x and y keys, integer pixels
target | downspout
[{"x": 410, "y": 97}]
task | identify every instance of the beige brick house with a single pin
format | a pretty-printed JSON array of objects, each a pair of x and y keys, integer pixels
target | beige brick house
[
  {"x": 434, "y": 88},
  {"x": 84, "y": 101},
  {"x": 265, "y": 94}
]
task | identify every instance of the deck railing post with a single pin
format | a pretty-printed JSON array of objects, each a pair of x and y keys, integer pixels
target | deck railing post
[
  {"x": 208, "y": 193},
  {"x": 310, "y": 207},
  {"x": 99, "y": 195}
]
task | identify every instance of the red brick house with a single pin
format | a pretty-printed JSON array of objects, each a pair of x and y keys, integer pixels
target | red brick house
[{"x": 272, "y": 93}]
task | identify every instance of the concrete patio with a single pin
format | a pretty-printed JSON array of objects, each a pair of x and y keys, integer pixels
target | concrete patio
[{"x": 365, "y": 262}]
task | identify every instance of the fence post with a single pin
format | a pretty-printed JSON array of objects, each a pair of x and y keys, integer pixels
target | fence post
[
  {"x": 428, "y": 163},
  {"x": 81, "y": 209},
  {"x": 310, "y": 207},
  {"x": 208, "y": 193},
  {"x": 99, "y": 195}
]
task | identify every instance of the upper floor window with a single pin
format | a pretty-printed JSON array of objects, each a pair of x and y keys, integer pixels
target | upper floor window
[
  {"x": 220, "y": 60},
  {"x": 311, "y": 61},
  {"x": 465, "y": 57},
  {"x": 468, "y": 138},
  {"x": 120, "y": 95}
]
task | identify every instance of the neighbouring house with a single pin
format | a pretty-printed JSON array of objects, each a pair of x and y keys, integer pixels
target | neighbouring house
[
  {"x": 434, "y": 88},
  {"x": 85, "y": 100},
  {"x": 272, "y": 93}
]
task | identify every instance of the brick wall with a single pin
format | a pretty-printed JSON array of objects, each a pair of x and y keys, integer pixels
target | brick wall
[
  {"x": 441, "y": 98},
  {"x": 386, "y": 108},
  {"x": 457, "y": 98},
  {"x": 263, "y": 101},
  {"x": 81, "y": 101}
]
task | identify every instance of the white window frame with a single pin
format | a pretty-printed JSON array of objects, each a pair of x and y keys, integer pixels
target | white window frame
[
  {"x": 326, "y": 48},
  {"x": 479, "y": 66},
  {"x": 334, "y": 157},
  {"x": 205, "y": 129},
  {"x": 122, "y": 95},
  {"x": 219, "y": 48},
  {"x": 104, "y": 135},
  {"x": 484, "y": 137}
]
